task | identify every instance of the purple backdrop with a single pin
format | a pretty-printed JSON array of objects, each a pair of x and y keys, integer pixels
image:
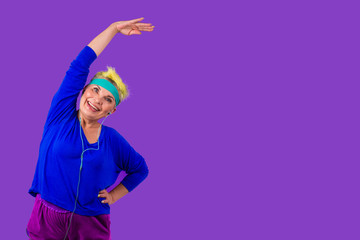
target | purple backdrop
[{"x": 246, "y": 113}]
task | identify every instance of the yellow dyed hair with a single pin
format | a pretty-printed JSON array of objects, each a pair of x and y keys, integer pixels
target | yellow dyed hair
[{"x": 115, "y": 79}]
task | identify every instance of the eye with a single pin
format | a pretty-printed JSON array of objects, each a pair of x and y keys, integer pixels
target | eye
[
  {"x": 96, "y": 89},
  {"x": 109, "y": 100}
]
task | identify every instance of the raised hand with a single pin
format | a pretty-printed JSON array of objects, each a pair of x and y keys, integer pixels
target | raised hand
[{"x": 132, "y": 27}]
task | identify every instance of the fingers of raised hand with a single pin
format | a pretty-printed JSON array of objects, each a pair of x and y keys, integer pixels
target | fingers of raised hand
[
  {"x": 137, "y": 29},
  {"x": 144, "y": 26},
  {"x": 124, "y": 24},
  {"x": 133, "y": 27},
  {"x": 135, "y": 20},
  {"x": 134, "y": 31}
]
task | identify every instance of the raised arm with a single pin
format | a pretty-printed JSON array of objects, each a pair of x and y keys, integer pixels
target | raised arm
[{"x": 127, "y": 28}]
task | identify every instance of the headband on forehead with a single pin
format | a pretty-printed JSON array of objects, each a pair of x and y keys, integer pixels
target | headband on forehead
[{"x": 108, "y": 86}]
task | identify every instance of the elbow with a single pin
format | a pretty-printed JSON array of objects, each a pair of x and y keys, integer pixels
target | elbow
[
  {"x": 145, "y": 170},
  {"x": 145, "y": 173}
]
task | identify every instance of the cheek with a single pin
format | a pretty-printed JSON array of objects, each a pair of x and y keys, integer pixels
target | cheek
[
  {"x": 108, "y": 107},
  {"x": 86, "y": 95}
]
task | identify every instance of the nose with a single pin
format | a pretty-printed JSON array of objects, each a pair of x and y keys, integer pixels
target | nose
[{"x": 97, "y": 99}]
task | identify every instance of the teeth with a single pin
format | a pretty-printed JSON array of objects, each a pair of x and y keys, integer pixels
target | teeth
[{"x": 93, "y": 106}]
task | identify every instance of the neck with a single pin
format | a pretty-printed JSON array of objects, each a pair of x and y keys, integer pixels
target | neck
[{"x": 86, "y": 123}]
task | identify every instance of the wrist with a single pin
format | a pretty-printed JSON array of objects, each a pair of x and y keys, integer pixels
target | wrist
[
  {"x": 113, "y": 27},
  {"x": 113, "y": 196}
]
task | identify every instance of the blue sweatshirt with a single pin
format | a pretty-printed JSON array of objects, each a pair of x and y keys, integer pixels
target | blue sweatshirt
[{"x": 57, "y": 170}]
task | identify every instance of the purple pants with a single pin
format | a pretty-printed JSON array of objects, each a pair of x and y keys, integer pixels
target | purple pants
[{"x": 49, "y": 221}]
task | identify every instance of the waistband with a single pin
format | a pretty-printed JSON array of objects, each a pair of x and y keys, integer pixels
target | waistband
[{"x": 51, "y": 205}]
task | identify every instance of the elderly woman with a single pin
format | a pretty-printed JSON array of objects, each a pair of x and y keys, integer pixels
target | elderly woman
[{"x": 79, "y": 158}]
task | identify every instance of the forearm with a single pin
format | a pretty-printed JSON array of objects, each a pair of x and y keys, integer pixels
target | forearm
[
  {"x": 118, "y": 192},
  {"x": 99, "y": 43}
]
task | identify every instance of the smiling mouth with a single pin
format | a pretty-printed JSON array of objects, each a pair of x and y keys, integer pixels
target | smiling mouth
[{"x": 92, "y": 107}]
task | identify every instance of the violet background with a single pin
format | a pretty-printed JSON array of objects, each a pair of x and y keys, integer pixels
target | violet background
[{"x": 247, "y": 113}]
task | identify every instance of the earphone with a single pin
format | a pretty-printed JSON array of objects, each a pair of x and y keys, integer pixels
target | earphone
[{"x": 82, "y": 154}]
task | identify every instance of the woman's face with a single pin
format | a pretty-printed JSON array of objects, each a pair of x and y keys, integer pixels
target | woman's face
[{"x": 96, "y": 102}]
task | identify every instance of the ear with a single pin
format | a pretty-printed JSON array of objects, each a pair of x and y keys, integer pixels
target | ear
[{"x": 114, "y": 110}]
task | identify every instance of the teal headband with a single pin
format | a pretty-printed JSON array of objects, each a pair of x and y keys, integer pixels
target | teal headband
[{"x": 108, "y": 86}]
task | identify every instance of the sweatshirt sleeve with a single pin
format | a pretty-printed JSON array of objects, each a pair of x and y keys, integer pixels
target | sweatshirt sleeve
[
  {"x": 64, "y": 101},
  {"x": 133, "y": 164}
]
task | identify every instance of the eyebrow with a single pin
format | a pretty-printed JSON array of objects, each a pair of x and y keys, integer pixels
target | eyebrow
[{"x": 107, "y": 95}]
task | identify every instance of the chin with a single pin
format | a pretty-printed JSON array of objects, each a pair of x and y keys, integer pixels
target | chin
[{"x": 90, "y": 115}]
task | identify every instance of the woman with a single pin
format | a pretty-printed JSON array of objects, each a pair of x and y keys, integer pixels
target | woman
[{"x": 79, "y": 158}]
